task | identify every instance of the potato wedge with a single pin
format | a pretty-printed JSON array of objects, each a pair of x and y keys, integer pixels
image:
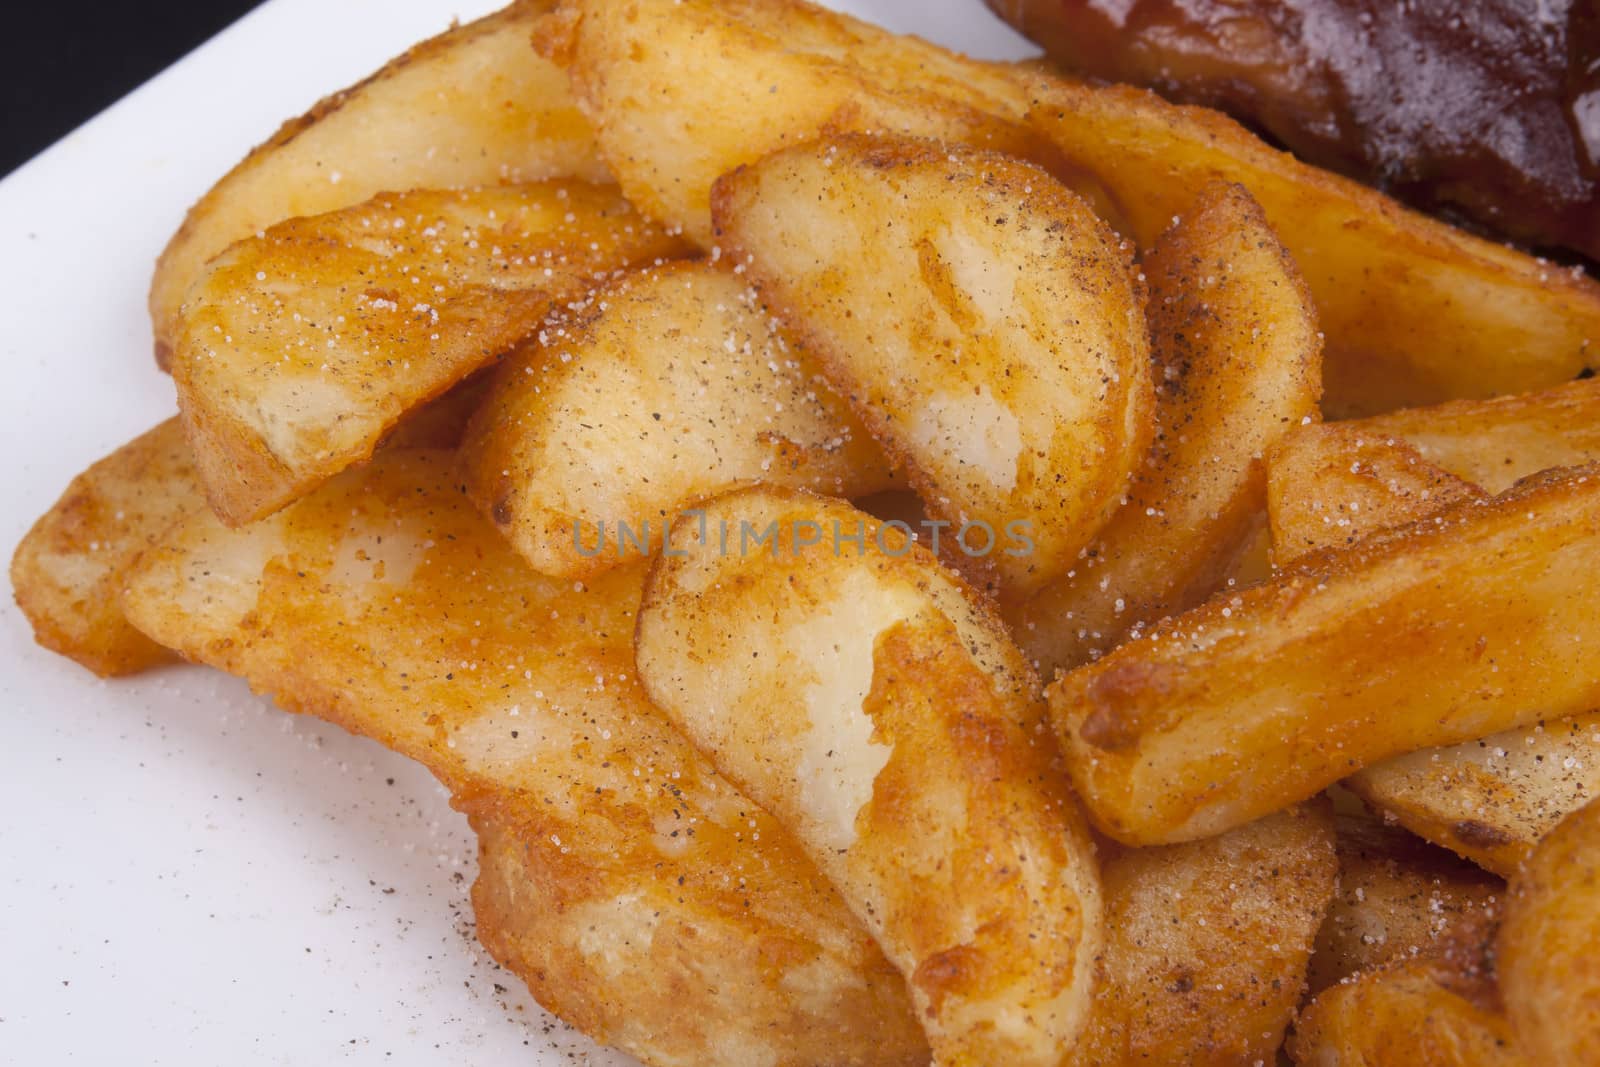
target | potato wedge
[
  {"x": 1415, "y": 310},
  {"x": 682, "y": 91},
  {"x": 1330, "y": 485},
  {"x": 875, "y": 707},
  {"x": 984, "y": 323},
  {"x": 669, "y": 387},
  {"x": 68, "y": 570},
  {"x": 1399, "y": 898},
  {"x": 1495, "y": 442},
  {"x": 1207, "y": 943},
  {"x": 1238, "y": 362},
  {"x": 1477, "y": 621},
  {"x": 1490, "y": 799},
  {"x": 300, "y": 349},
  {"x": 385, "y": 603},
  {"x": 1549, "y": 946},
  {"x": 473, "y": 106},
  {"x": 1415, "y": 1012}
]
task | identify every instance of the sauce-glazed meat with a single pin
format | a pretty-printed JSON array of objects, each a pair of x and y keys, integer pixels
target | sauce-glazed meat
[{"x": 1483, "y": 109}]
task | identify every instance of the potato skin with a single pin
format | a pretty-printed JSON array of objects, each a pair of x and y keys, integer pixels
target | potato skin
[
  {"x": 1549, "y": 945},
  {"x": 1238, "y": 364},
  {"x": 67, "y": 572},
  {"x": 932, "y": 283},
  {"x": 472, "y": 106},
  {"x": 1463, "y": 625},
  {"x": 385, "y": 603}
]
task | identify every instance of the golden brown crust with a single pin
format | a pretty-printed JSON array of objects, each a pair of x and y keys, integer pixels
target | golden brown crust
[
  {"x": 68, "y": 571},
  {"x": 1238, "y": 363},
  {"x": 384, "y": 602},
  {"x": 1456, "y": 627},
  {"x": 472, "y": 106}
]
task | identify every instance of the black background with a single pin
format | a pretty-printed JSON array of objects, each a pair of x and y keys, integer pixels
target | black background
[{"x": 62, "y": 63}]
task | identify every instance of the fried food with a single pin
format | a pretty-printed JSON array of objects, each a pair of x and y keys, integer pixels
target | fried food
[
  {"x": 668, "y": 387},
  {"x": 1399, "y": 898},
  {"x": 1549, "y": 946},
  {"x": 983, "y": 322},
  {"x": 1478, "y": 620},
  {"x": 1490, "y": 799},
  {"x": 68, "y": 570},
  {"x": 1415, "y": 311},
  {"x": 1442, "y": 1013},
  {"x": 1497, "y": 441},
  {"x": 908, "y": 756},
  {"x": 300, "y": 349},
  {"x": 682, "y": 91},
  {"x": 1238, "y": 362},
  {"x": 473, "y": 106},
  {"x": 662, "y": 912},
  {"x": 1332, "y": 484},
  {"x": 1207, "y": 943}
]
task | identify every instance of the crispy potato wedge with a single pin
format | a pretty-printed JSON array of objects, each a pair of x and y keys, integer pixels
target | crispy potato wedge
[
  {"x": 1495, "y": 442},
  {"x": 1489, "y": 799},
  {"x": 68, "y": 570},
  {"x": 1549, "y": 946},
  {"x": 473, "y": 106},
  {"x": 300, "y": 349},
  {"x": 384, "y": 602},
  {"x": 1415, "y": 310},
  {"x": 984, "y": 323},
  {"x": 1331, "y": 484},
  {"x": 682, "y": 91},
  {"x": 1484, "y": 618},
  {"x": 1238, "y": 362},
  {"x": 1207, "y": 943},
  {"x": 1400, "y": 898},
  {"x": 1442, "y": 1013},
  {"x": 874, "y": 706},
  {"x": 670, "y": 386}
]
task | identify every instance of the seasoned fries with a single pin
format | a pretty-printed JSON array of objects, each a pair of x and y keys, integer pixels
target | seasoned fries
[
  {"x": 69, "y": 569},
  {"x": 383, "y": 602},
  {"x": 669, "y": 387},
  {"x": 1464, "y": 625},
  {"x": 1238, "y": 362},
  {"x": 302, "y": 348},
  {"x": 1549, "y": 946},
  {"x": 911, "y": 706},
  {"x": 473, "y": 106},
  {"x": 936, "y": 286},
  {"x": 1218, "y": 986}
]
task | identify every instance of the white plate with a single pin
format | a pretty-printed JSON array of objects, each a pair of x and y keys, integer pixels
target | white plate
[{"x": 186, "y": 874}]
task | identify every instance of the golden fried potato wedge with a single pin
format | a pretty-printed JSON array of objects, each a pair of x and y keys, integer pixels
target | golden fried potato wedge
[
  {"x": 1490, "y": 799},
  {"x": 1415, "y": 1012},
  {"x": 1484, "y": 618},
  {"x": 68, "y": 570},
  {"x": 1331, "y": 484},
  {"x": 683, "y": 91},
  {"x": 669, "y": 387},
  {"x": 984, "y": 323},
  {"x": 1207, "y": 942},
  {"x": 675, "y": 919},
  {"x": 473, "y": 106},
  {"x": 1238, "y": 362},
  {"x": 300, "y": 349},
  {"x": 1549, "y": 946},
  {"x": 1400, "y": 898},
  {"x": 1494, "y": 798},
  {"x": 1495, "y": 442},
  {"x": 1415, "y": 310},
  {"x": 868, "y": 700}
]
